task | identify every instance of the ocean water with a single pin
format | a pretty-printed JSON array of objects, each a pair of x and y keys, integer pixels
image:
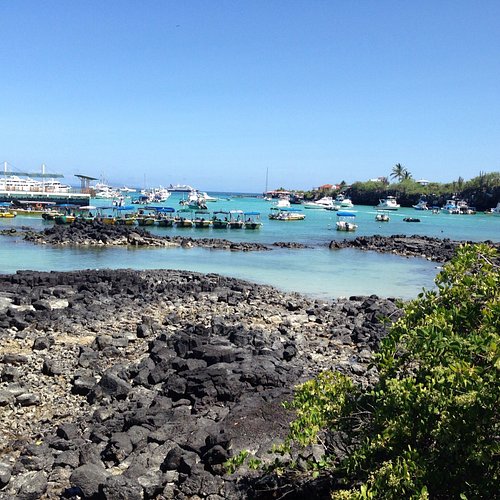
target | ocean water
[{"x": 315, "y": 271}]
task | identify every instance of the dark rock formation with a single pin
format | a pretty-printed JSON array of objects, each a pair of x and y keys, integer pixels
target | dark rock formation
[
  {"x": 96, "y": 233},
  {"x": 435, "y": 249},
  {"x": 142, "y": 384}
]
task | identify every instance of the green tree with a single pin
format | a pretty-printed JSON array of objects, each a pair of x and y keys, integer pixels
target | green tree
[{"x": 398, "y": 172}]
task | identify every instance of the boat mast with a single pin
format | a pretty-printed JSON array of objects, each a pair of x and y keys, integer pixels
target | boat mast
[{"x": 267, "y": 179}]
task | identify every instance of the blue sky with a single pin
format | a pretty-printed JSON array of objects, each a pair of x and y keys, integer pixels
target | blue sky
[{"x": 213, "y": 93}]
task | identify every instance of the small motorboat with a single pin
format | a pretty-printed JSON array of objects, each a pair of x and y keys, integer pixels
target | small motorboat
[
  {"x": 346, "y": 221},
  {"x": 252, "y": 220},
  {"x": 382, "y": 218},
  {"x": 411, "y": 219}
]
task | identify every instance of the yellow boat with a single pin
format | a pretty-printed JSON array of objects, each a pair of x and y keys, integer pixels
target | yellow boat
[{"x": 5, "y": 214}]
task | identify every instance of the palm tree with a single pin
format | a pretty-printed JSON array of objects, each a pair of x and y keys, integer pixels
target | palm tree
[
  {"x": 398, "y": 172},
  {"x": 406, "y": 175}
]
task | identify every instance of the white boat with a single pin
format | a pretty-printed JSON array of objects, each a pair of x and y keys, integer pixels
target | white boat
[
  {"x": 157, "y": 195},
  {"x": 496, "y": 210},
  {"x": 389, "y": 203},
  {"x": 126, "y": 189},
  {"x": 195, "y": 201},
  {"x": 421, "y": 205},
  {"x": 286, "y": 214},
  {"x": 180, "y": 188},
  {"x": 382, "y": 217},
  {"x": 322, "y": 203},
  {"x": 282, "y": 203},
  {"x": 343, "y": 202},
  {"x": 346, "y": 221},
  {"x": 458, "y": 207},
  {"x": 206, "y": 197}
]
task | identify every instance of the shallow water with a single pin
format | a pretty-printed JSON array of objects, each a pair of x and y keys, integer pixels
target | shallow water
[{"x": 316, "y": 271}]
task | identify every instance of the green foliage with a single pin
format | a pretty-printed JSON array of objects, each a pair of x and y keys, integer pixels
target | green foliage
[
  {"x": 319, "y": 403},
  {"x": 430, "y": 427},
  {"x": 232, "y": 464}
]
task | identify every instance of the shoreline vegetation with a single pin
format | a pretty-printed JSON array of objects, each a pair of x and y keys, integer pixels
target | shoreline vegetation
[{"x": 481, "y": 192}]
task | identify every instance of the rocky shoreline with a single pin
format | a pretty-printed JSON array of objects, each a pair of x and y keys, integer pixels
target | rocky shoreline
[
  {"x": 434, "y": 249},
  {"x": 140, "y": 384},
  {"x": 97, "y": 233}
]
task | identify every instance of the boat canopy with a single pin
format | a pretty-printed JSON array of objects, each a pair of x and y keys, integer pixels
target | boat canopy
[
  {"x": 236, "y": 211},
  {"x": 221, "y": 212},
  {"x": 346, "y": 214},
  {"x": 5, "y": 204},
  {"x": 87, "y": 207},
  {"x": 165, "y": 210},
  {"x": 153, "y": 207}
]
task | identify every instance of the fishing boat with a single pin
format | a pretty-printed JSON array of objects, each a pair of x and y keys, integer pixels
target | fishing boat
[
  {"x": 235, "y": 219},
  {"x": 252, "y": 220},
  {"x": 125, "y": 216},
  {"x": 164, "y": 216},
  {"x": 202, "y": 219},
  {"x": 220, "y": 219},
  {"x": 388, "y": 203},
  {"x": 64, "y": 219},
  {"x": 286, "y": 214},
  {"x": 31, "y": 208},
  {"x": 184, "y": 218},
  {"x": 146, "y": 216},
  {"x": 6, "y": 213},
  {"x": 86, "y": 213},
  {"x": 51, "y": 214},
  {"x": 346, "y": 221}
]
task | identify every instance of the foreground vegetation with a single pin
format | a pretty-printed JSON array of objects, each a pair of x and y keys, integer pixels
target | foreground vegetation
[{"x": 430, "y": 427}]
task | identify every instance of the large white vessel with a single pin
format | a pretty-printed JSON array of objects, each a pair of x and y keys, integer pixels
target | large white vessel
[
  {"x": 389, "y": 203},
  {"x": 180, "y": 188},
  {"x": 25, "y": 186}
]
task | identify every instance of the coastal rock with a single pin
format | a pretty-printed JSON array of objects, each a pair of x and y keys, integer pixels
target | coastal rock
[
  {"x": 155, "y": 378},
  {"x": 435, "y": 249}
]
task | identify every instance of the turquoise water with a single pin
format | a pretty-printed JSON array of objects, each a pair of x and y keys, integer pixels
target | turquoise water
[{"x": 316, "y": 271}]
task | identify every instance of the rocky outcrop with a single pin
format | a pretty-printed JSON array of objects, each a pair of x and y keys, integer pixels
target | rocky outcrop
[
  {"x": 142, "y": 384},
  {"x": 97, "y": 233},
  {"x": 435, "y": 249}
]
